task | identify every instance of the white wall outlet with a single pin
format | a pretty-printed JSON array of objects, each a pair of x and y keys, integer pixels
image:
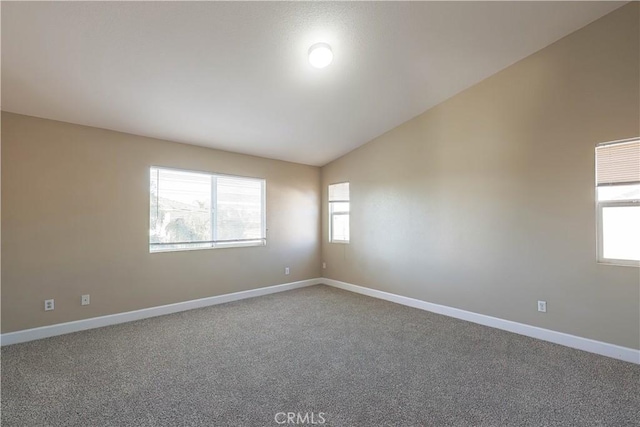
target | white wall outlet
[
  {"x": 48, "y": 305},
  {"x": 85, "y": 300},
  {"x": 542, "y": 306},
  {"x": 286, "y": 270},
  {"x": 324, "y": 265}
]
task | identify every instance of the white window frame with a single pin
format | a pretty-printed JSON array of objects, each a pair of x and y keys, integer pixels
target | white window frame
[
  {"x": 332, "y": 214},
  {"x": 600, "y": 206},
  {"x": 214, "y": 242}
]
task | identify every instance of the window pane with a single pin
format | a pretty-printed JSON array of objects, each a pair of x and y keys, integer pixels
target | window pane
[
  {"x": 619, "y": 192},
  {"x": 180, "y": 206},
  {"x": 621, "y": 232},
  {"x": 153, "y": 208},
  {"x": 339, "y": 207},
  {"x": 340, "y": 227},
  {"x": 239, "y": 206}
]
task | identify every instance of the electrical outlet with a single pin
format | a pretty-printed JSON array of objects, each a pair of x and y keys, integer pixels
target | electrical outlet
[
  {"x": 48, "y": 305},
  {"x": 286, "y": 270},
  {"x": 542, "y": 306},
  {"x": 85, "y": 300},
  {"x": 324, "y": 265}
]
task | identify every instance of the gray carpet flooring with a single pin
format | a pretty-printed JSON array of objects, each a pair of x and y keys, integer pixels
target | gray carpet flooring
[{"x": 348, "y": 359}]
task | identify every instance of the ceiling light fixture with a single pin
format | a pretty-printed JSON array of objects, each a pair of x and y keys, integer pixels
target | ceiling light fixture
[{"x": 320, "y": 55}]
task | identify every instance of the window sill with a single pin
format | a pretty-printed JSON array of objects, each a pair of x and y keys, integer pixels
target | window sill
[
  {"x": 217, "y": 246},
  {"x": 619, "y": 263}
]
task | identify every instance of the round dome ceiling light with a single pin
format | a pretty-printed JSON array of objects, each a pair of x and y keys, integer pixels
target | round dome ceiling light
[{"x": 320, "y": 55}]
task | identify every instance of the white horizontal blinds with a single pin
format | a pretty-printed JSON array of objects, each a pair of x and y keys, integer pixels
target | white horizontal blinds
[
  {"x": 239, "y": 213},
  {"x": 339, "y": 192},
  {"x": 618, "y": 163},
  {"x": 180, "y": 207}
]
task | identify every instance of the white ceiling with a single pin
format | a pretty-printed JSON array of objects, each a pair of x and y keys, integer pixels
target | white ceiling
[{"x": 235, "y": 76}]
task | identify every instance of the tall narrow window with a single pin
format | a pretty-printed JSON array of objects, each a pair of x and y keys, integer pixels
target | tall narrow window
[
  {"x": 194, "y": 210},
  {"x": 618, "y": 202},
  {"x": 339, "y": 213}
]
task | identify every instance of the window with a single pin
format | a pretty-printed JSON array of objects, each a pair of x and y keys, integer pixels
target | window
[
  {"x": 339, "y": 213},
  {"x": 618, "y": 202},
  {"x": 195, "y": 210}
]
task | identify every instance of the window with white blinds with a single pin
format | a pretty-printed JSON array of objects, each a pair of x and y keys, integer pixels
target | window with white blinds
[
  {"x": 618, "y": 202},
  {"x": 339, "y": 212},
  {"x": 194, "y": 210}
]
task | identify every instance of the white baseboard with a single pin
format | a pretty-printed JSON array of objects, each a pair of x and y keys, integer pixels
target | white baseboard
[
  {"x": 586, "y": 344},
  {"x": 113, "y": 319}
]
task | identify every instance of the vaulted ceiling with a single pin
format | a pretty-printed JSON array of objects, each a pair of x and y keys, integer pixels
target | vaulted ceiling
[{"x": 235, "y": 76}]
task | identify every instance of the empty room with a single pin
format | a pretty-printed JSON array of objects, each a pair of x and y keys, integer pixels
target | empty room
[{"x": 320, "y": 213}]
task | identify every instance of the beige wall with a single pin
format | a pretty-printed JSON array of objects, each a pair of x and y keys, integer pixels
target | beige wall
[
  {"x": 75, "y": 221},
  {"x": 486, "y": 202}
]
